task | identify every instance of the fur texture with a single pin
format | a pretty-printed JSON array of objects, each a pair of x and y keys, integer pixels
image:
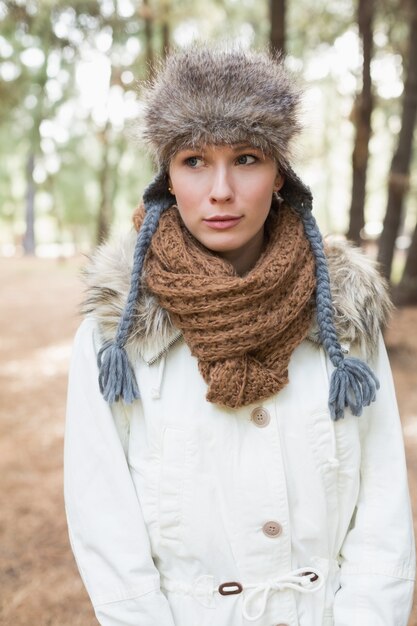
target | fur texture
[
  {"x": 360, "y": 298},
  {"x": 210, "y": 96},
  {"x": 107, "y": 279},
  {"x": 361, "y": 302}
]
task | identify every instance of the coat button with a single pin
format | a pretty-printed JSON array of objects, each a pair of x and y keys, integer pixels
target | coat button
[
  {"x": 260, "y": 417},
  {"x": 272, "y": 529}
]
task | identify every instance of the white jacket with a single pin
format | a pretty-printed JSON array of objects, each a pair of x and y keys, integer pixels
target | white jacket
[{"x": 172, "y": 497}]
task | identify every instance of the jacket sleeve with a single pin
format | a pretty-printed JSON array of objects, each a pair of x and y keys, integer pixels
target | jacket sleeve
[
  {"x": 378, "y": 559},
  {"x": 106, "y": 527}
]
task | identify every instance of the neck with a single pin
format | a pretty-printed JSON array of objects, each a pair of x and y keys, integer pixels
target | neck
[{"x": 245, "y": 258}]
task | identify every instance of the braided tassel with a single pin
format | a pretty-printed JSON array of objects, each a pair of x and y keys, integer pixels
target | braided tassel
[
  {"x": 116, "y": 376},
  {"x": 352, "y": 384}
]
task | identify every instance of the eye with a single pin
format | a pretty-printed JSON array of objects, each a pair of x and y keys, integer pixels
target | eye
[
  {"x": 246, "y": 159},
  {"x": 193, "y": 161}
]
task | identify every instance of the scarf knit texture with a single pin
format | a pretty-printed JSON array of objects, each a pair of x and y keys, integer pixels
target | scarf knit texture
[{"x": 242, "y": 329}]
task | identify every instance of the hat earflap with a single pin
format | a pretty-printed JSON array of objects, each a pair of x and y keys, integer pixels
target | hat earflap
[
  {"x": 116, "y": 376},
  {"x": 353, "y": 384}
]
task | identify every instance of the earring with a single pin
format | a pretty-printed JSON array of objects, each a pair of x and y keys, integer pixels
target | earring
[
  {"x": 278, "y": 196},
  {"x": 171, "y": 191}
]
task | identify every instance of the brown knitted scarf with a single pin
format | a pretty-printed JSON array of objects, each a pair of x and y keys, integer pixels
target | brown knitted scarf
[{"x": 242, "y": 330}]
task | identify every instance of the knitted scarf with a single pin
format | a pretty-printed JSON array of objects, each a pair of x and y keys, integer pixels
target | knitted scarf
[{"x": 242, "y": 330}]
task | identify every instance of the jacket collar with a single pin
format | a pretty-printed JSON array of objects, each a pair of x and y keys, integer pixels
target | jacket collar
[{"x": 360, "y": 300}]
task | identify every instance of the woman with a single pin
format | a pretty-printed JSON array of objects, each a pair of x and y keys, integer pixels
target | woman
[{"x": 209, "y": 475}]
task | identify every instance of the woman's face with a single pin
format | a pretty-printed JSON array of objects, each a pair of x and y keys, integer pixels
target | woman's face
[{"x": 224, "y": 194}]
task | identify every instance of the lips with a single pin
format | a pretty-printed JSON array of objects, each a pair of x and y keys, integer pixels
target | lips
[{"x": 222, "y": 222}]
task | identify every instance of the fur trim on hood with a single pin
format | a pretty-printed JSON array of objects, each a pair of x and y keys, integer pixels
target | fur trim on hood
[{"x": 360, "y": 298}]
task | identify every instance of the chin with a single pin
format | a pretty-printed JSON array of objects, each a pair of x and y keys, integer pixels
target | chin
[
  {"x": 222, "y": 242},
  {"x": 223, "y": 247}
]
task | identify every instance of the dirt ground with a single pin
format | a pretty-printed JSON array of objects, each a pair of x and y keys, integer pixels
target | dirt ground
[{"x": 39, "y": 582}]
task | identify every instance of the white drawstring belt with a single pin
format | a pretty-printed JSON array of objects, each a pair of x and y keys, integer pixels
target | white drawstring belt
[{"x": 303, "y": 580}]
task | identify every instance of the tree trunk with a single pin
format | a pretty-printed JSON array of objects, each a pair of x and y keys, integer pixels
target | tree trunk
[
  {"x": 406, "y": 292},
  {"x": 148, "y": 18},
  {"x": 105, "y": 212},
  {"x": 29, "y": 246},
  {"x": 166, "y": 29},
  {"x": 277, "y": 33},
  {"x": 29, "y": 241},
  {"x": 399, "y": 176},
  {"x": 362, "y": 119}
]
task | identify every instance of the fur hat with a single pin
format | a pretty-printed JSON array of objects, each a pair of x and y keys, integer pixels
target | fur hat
[
  {"x": 205, "y": 96},
  {"x": 201, "y": 98}
]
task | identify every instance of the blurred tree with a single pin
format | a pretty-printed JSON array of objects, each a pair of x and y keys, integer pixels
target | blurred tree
[
  {"x": 166, "y": 17},
  {"x": 41, "y": 51},
  {"x": 74, "y": 193},
  {"x": 399, "y": 176},
  {"x": 29, "y": 236},
  {"x": 86, "y": 174},
  {"x": 277, "y": 17},
  {"x": 105, "y": 212},
  {"x": 48, "y": 39},
  {"x": 361, "y": 114},
  {"x": 312, "y": 27},
  {"x": 406, "y": 292},
  {"x": 147, "y": 14},
  {"x": 17, "y": 26}
]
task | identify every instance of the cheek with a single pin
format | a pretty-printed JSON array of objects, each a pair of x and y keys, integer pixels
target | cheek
[
  {"x": 185, "y": 190},
  {"x": 186, "y": 203},
  {"x": 259, "y": 194},
  {"x": 189, "y": 198}
]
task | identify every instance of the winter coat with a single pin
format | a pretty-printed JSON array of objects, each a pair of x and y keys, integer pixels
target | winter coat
[{"x": 185, "y": 513}]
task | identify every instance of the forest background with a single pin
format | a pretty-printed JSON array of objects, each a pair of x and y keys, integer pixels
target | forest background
[
  {"x": 72, "y": 169},
  {"x": 70, "y": 94}
]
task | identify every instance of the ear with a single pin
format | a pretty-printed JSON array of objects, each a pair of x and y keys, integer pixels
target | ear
[{"x": 279, "y": 181}]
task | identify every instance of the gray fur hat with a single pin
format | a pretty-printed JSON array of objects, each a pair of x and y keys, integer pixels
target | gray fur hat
[
  {"x": 206, "y": 96},
  {"x": 200, "y": 97}
]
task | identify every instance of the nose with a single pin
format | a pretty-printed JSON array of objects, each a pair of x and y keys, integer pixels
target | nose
[{"x": 221, "y": 190}]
